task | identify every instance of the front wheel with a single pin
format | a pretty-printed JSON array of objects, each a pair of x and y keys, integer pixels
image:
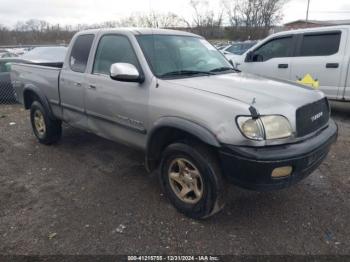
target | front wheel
[
  {"x": 191, "y": 178},
  {"x": 46, "y": 130}
]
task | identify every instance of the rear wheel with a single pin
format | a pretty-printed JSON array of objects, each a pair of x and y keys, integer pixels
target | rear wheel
[
  {"x": 191, "y": 178},
  {"x": 47, "y": 130}
]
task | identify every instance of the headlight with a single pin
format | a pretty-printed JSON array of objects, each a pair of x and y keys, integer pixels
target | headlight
[
  {"x": 265, "y": 127},
  {"x": 251, "y": 128},
  {"x": 276, "y": 127}
]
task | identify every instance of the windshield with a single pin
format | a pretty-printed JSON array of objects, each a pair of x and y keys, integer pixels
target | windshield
[
  {"x": 46, "y": 54},
  {"x": 173, "y": 55}
]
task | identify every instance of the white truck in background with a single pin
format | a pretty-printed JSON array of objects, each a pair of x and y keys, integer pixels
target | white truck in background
[{"x": 318, "y": 57}]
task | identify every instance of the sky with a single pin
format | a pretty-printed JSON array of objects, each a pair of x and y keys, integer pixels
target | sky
[{"x": 95, "y": 11}]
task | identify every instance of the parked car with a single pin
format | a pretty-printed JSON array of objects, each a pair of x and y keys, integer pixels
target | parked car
[
  {"x": 6, "y": 54},
  {"x": 221, "y": 47},
  {"x": 235, "y": 51},
  {"x": 18, "y": 51},
  {"x": 52, "y": 56},
  {"x": 239, "y": 48},
  {"x": 48, "y": 54},
  {"x": 317, "y": 57},
  {"x": 174, "y": 96},
  {"x": 7, "y": 93}
]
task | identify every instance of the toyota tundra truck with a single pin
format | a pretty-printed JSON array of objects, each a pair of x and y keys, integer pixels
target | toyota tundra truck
[{"x": 171, "y": 94}]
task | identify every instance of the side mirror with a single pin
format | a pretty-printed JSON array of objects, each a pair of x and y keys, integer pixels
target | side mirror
[
  {"x": 125, "y": 72},
  {"x": 258, "y": 58},
  {"x": 252, "y": 57},
  {"x": 249, "y": 57}
]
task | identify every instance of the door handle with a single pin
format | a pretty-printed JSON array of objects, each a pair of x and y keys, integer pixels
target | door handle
[
  {"x": 283, "y": 66},
  {"x": 77, "y": 84},
  {"x": 332, "y": 65},
  {"x": 92, "y": 86}
]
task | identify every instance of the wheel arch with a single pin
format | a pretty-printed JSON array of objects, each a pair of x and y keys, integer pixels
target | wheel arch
[
  {"x": 32, "y": 93},
  {"x": 170, "y": 129}
]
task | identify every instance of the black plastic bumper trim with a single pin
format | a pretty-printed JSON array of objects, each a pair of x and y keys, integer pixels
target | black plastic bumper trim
[{"x": 251, "y": 167}]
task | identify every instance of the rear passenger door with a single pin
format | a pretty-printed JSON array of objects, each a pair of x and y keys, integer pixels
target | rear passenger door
[
  {"x": 73, "y": 82},
  {"x": 319, "y": 61},
  {"x": 272, "y": 58}
]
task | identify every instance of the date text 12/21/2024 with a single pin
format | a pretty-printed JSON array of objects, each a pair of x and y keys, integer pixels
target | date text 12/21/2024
[{"x": 173, "y": 258}]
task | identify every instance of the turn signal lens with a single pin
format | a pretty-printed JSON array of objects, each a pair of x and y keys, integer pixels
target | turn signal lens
[{"x": 281, "y": 172}]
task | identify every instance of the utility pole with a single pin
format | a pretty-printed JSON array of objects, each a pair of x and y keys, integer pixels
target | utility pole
[{"x": 307, "y": 11}]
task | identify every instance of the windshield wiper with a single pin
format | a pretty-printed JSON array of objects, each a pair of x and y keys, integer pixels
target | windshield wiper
[
  {"x": 187, "y": 72},
  {"x": 222, "y": 69}
]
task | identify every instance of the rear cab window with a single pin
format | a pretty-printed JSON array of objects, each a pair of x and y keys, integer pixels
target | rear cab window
[
  {"x": 320, "y": 44},
  {"x": 80, "y": 53}
]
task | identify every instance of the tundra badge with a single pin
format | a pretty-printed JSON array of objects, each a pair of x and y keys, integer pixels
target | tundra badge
[{"x": 315, "y": 117}]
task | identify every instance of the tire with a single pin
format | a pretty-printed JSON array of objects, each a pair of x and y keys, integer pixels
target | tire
[
  {"x": 209, "y": 196},
  {"x": 49, "y": 131}
]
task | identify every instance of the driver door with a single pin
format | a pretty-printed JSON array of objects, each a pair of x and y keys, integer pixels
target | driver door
[
  {"x": 271, "y": 59},
  {"x": 116, "y": 110}
]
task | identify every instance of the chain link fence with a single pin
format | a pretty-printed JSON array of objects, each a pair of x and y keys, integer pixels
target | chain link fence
[{"x": 7, "y": 92}]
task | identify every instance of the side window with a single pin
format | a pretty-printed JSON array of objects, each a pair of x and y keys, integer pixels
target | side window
[
  {"x": 279, "y": 47},
  {"x": 80, "y": 53},
  {"x": 320, "y": 45},
  {"x": 113, "y": 49}
]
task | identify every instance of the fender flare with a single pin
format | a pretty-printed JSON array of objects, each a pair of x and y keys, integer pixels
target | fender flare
[
  {"x": 44, "y": 101},
  {"x": 182, "y": 124}
]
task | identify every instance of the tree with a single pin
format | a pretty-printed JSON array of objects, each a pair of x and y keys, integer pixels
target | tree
[
  {"x": 153, "y": 19},
  {"x": 3, "y": 28},
  {"x": 252, "y": 18},
  {"x": 204, "y": 16},
  {"x": 254, "y": 13},
  {"x": 206, "y": 21},
  {"x": 271, "y": 12}
]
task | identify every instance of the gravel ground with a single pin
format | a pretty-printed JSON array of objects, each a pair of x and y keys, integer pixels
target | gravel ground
[{"x": 87, "y": 195}]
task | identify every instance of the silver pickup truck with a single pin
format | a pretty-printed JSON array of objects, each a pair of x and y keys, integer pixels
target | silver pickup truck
[{"x": 171, "y": 94}]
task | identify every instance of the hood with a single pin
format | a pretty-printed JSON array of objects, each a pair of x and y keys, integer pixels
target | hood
[{"x": 263, "y": 93}]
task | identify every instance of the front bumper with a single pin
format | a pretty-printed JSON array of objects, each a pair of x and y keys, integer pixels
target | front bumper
[{"x": 251, "y": 167}]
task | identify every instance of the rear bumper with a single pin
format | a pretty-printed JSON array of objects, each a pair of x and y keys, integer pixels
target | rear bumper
[{"x": 251, "y": 167}]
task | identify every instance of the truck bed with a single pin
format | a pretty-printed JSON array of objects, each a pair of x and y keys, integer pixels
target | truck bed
[
  {"x": 42, "y": 76},
  {"x": 48, "y": 64}
]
